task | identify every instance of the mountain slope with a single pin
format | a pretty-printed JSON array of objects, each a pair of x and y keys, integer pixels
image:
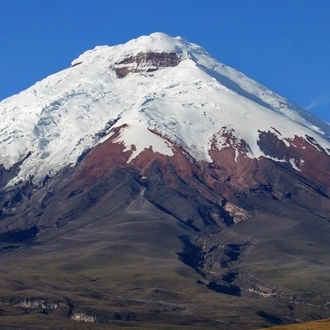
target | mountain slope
[{"x": 149, "y": 183}]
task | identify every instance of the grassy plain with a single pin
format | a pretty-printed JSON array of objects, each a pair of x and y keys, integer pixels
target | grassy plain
[
  {"x": 314, "y": 325},
  {"x": 123, "y": 270}
]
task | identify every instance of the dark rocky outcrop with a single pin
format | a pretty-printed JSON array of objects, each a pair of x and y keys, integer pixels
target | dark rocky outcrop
[{"x": 147, "y": 62}]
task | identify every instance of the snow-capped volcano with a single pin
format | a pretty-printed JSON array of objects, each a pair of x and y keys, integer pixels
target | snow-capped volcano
[
  {"x": 144, "y": 160},
  {"x": 154, "y": 92}
]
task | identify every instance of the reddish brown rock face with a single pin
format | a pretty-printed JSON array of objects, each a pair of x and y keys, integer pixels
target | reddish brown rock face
[
  {"x": 103, "y": 160},
  {"x": 231, "y": 178},
  {"x": 307, "y": 156},
  {"x": 231, "y": 172},
  {"x": 148, "y": 62}
]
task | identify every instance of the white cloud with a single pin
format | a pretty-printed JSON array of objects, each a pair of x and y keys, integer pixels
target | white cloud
[{"x": 318, "y": 102}]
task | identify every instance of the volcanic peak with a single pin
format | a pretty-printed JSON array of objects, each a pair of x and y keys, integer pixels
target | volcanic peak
[
  {"x": 154, "y": 43},
  {"x": 174, "y": 94}
]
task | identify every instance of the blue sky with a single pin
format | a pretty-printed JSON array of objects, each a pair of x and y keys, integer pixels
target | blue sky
[{"x": 284, "y": 44}]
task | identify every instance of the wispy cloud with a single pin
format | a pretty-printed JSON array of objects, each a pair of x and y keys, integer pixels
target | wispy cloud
[{"x": 318, "y": 102}]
